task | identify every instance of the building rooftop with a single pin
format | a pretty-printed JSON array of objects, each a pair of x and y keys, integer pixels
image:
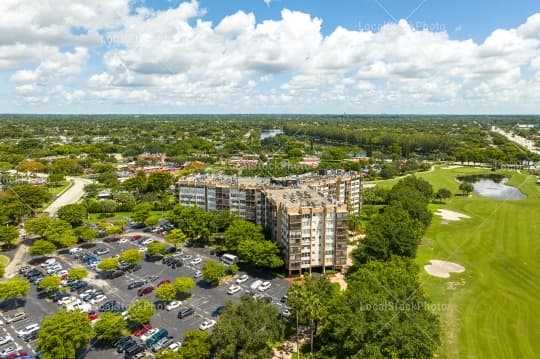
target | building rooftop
[{"x": 304, "y": 196}]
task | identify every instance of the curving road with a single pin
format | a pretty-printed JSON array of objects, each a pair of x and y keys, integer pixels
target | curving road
[
  {"x": 72, "y": 195},
  {"x": 528, "y": 144}
]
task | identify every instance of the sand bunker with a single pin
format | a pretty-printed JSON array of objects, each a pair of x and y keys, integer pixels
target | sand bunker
[
  {"x": 442, "y": 269},
  {"x": 450, "y": 215}
]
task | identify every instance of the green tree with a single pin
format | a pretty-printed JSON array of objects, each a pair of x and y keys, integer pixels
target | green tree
[
  {"x": 132, "y": 255},
  {"x": 391, "y": 233},
  {"x": 41, "y": 247},
  {"x": 166, "y": 292},
  {"x": 141, "y": 311},
  {"x": 382, "y": 314},
  {"x": 155, "y": 248},
  {"x": 73, "y": 214},
  {"x": 50, "y": 282},
  {"x": 466, "y": 188},
  {"x": 159, "y": 182},
  {"x": 232, "y": 269},
  {"x": 85, "y": 234},
  {"x": 167, "y": 354},
  {"x": 247, "y": 329},
  {"x": 62, "y": 334},
  {"x": 196, "y": 345},
  {"x": 141, "y": 211},
  {"x": 212, "y": 271},
  {"x": 14, "y": 288},
  {"x": 8, "y": 236},
  {"x": 151, "y": 221},
  {"x": 77, "y": 273},
  {"x": 240, "y": 231},
  {"x": 193, "y": 221},
  {"x": 54, "y": 230},
  {"x": 442, "y": 194},
  {"x": 110, "y": 326},
  {"x": 183, "y": 284},
  {"x": 108, "y": 264},
  {"x": 262, "y": 253},
  {"x": 176, "y": 237}
]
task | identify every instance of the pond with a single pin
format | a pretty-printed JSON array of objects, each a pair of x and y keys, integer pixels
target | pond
[
  {"x": 270, "y": 133},
  {"x": 496, "y": 190}
]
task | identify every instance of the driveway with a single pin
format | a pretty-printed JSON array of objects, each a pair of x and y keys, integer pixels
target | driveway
[{"x": 72, "y": 195}]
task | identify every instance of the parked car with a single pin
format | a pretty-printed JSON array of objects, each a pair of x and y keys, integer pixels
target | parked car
[
  {"x": 234, "y": 289},
  {"x": 264, "y": 286},
  {"x": 101, "y": 251},
  {"x": 136, "y": 284},
  {"x": 198, "y": 274},
  {"x": 195, "y": 261},
  {"x": 174, "y": 346},
  {"x": 6, "y": 351},
  {"x": 31, "y": 335},
  {"x": 185, "y": 312},
  {"x": 16, "y": 317},
  {"x": 243, "y": 278},
  {"x": 148, "y": 334},
  {"x": 173, "y": 305},
  {"x": 207, "y": 324},
  {"x": 28, "y": 329},
  {"x": 99, "y": 298},
  {"x": 5, "y": 339},
  {"x": 145, "y": 290},
  {"x": 256, "y": 284},
  {"x": 141, "y": 330},
  {"x": 147, "y": 241},
  {"x": 134, "y": 268}
]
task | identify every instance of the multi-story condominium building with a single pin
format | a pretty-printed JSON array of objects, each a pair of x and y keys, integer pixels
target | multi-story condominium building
[{"x": 307, "y": 215}]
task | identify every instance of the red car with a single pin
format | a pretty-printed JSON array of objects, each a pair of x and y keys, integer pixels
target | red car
[
  {"x": 93, "y": 315},
  {"x": 145, "y": 290},
  {"x": 19, "y": 354},
  {"x": 164, "y": 281},
  {"x": 135, "y": 238},
  {"x": 142, "y": 330}
]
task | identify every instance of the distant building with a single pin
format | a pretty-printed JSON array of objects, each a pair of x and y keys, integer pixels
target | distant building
[
  {"x": 524, "y": 126},
  {"x": 306, "y": 214},
  {"x": 244, "y": 161},
  {"x": 312, "y": 162}
]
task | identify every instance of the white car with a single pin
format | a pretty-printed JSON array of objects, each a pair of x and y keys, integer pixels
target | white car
[
  {"x": 75, "y": 250},
  {"x": 54, "y": 268},
  {"x": 28, "y": 329},
  {"x": 86, "y": 292},
  {"x": 198, "y": 274},
  {"x": 207, "y": 324},
  {"x": 97, "y": 299},
  {"x": 61, "y": 273},
  {"x": 123, "y": 240},
  {"x": 233, "y": 289},
  {"x": 49, "y": 262},
  {"x": 256, "y": 284},
  {"x": 243, "y": 278},
  {"x": 173, "y": 305},
  {"x": 195, "y": 261},
  {"x": 174, "y": 346},
  {"x": 142, "y": 249},
  {"x": 264, "y": 286},
  {"x": 66, "y": 300},
  {"x": 147, "y": 241},
  {"x": 6, "y": 339},
  {"x": 149, "y": 333},
  {"x": 5, "y": 352}
]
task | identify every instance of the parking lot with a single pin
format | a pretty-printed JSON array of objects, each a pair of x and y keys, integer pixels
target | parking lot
[{"x": 204, "y": 300}]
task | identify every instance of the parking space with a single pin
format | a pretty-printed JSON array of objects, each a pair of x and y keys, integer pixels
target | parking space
[{"x": 206, "y": 301}]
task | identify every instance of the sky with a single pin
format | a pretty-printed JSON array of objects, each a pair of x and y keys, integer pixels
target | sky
[{"x": 270, "y": 56}]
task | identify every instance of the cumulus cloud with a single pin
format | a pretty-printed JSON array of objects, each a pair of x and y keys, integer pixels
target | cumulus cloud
[{"x": 176, "y": 58}]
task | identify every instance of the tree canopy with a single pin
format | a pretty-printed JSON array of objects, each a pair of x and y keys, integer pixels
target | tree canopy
[
  {"x": 110, "y": 326},
  {"x": 141, "y": 311},
  {"x": 62, "y": 334}
]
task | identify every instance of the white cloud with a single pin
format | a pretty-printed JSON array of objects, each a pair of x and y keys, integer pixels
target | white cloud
[{"x": 176, "y": 58}]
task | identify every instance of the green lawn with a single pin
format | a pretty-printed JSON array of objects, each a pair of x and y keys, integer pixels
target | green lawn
[
  {"x": 492, "y": 310},
  {"x": 57, "y": 189},
  {"x": 4, "y": 261}
]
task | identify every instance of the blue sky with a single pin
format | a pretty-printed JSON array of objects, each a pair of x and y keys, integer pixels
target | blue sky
[{"x": 160, "y": 56}]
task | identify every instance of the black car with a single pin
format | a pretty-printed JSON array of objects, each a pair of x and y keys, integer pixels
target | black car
[
  {"x": 31, "y": 336},
  {"x": 112, "y": 306},
  {"x": 134, "y": 268},
  {"x": 115, "y": 274},
  {"x": 59, "y": 295},
  {"x": 125, "y": 345},
  {"x": 170, "y": 250},
  {"x": 217, "y": 312},
  {"x": 43, "y": 294},
  {"x": 120, "y": 341},
  {"x": 32, "y": 272},
  {"x": 185, "y": 312},
  {"x": 135, "y": 284},
  {"x": 25, "y": 269},
  {"x": 167, "y": 260},
  {"x": 177, "y": 263},
  {"x": 75, "y": 287}
]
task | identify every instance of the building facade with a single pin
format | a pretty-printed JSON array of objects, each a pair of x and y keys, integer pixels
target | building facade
[{"x": 307, "y": 215}]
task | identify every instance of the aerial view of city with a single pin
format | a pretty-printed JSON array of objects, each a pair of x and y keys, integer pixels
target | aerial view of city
[{"x": 272, "y": 179}]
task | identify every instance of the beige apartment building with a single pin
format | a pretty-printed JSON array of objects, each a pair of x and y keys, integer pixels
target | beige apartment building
[{"x": 307, "y": 215}]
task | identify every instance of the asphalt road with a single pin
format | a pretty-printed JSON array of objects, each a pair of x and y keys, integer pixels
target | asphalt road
[{"x": 72, "y": 195}]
